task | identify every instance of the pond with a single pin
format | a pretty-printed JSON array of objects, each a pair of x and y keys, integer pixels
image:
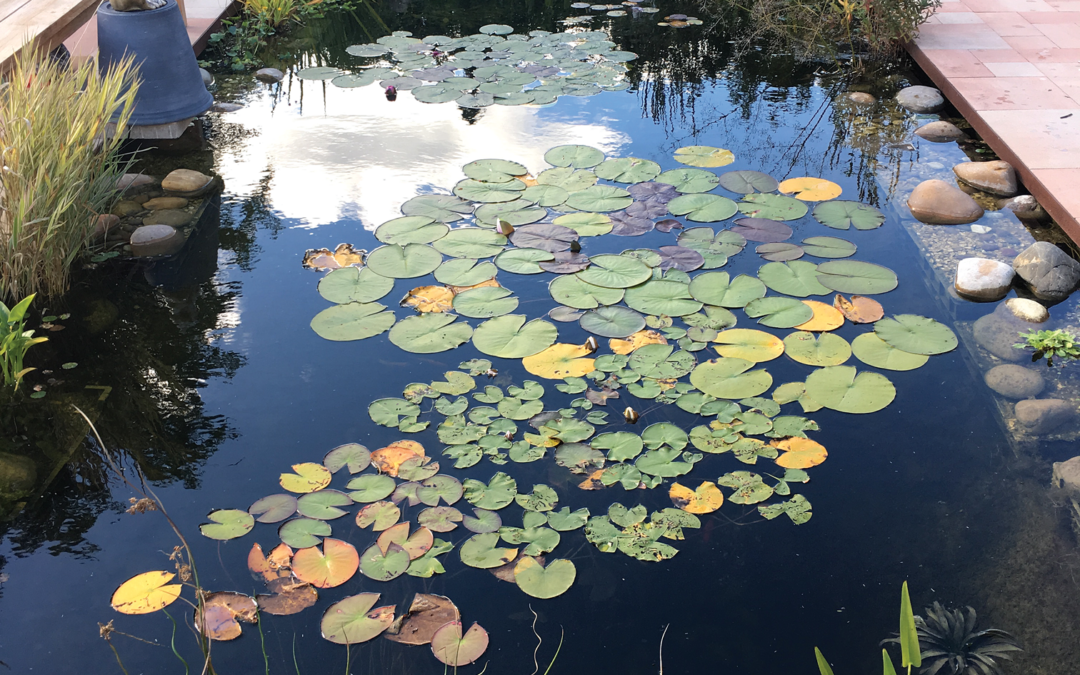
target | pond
[{"x": 209, "y": 378}]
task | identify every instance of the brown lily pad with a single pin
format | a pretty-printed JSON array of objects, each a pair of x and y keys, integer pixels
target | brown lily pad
[
  {"x": 224, "y": 611},
  {"x": 566, "y": 262},
  {"x": 859, "y": 309},
  {"x": 427, "y": 614},
  {"x": 762, "y": 230}
]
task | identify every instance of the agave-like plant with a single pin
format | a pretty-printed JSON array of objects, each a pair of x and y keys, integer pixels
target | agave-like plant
[{"x": 950, "y": 645}]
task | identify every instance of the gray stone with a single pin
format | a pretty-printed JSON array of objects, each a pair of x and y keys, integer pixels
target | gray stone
[
  {"x": 920, "y": 99},
  {"x": 133, "y": 180},
  {"x": 939, "y": 203},
  {"x": 104, "y": 223},
  {"x": 127, "y": 207},
  {"x": 207, "y": 78},
  {"x": 154, "y": 240},
  {"x": 1050, "y": 272},
  {"x": 983, "y": 279},
  {"x": 1043, "y": 415},
  {"x": 1027, "y": 310},
  {"x": 17, "y": 475},
  {"x": 172, "y": 217},
  {"x": 940, "y": 132},
  {"x": 997, "y": 335},
  {"x": 269, "y": 75},
  {"x": 861, "y": 98},
  {"x": 158, "y": 203},
  {"x": 1012, "y": 381},
  {"x": 997, "y": 177},
  {"x": 1067, "y": 476},
  {"x": 225, "y": 107},
  {"x": 1025, "y": 207},
  {"x": 187, "y": 183}
]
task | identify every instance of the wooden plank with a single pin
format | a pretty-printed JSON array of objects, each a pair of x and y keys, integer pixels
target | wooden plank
[{"x": 49, "y": 21}]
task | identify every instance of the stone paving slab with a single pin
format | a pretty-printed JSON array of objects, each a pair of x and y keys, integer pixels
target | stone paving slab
[{"x": 1012, "y": 69}]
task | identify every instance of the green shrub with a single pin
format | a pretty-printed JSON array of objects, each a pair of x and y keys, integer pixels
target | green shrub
[
  {"x": 59, "y": 165},
  {"x": 1050, "y": 344}
]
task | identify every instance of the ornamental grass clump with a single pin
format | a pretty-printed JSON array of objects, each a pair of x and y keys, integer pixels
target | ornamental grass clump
[{"x": 59, "y": 165}]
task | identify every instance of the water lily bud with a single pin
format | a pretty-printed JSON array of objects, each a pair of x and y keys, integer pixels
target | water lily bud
[
  {"x": 504, "y": 228},
  {"x": 491, "y": 372},
  {"x": 630, "y": 415},
  {"x": 591, "y": 344},
  {"x": 509, "y": 435},
  {"x": 575, "y": 247},
  {"x": 391, "y": 93}
]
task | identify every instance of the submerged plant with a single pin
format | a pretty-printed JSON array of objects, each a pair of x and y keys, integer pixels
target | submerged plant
[
  {"x": 1049, "y": 344},
  {"x": 60, "y": 164},
  {"x": 15, "y": 341},
  {"x": 950, "y": 645}
]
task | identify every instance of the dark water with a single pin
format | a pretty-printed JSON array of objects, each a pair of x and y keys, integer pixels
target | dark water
[{"x": 218, "y": 385}]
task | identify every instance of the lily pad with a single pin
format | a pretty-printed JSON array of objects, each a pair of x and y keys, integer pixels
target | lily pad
[
  {"x": 600, "y": 199},
  {"x": 612, "y": 322},
  {"x": 511, "y": 337},
  {"x": 842, "y": 215},
  {"x": 704, "y": 156},
  {"x": 702, "y": 208},
  {"x": 689, "y": 181},
  {"x": 482, "y": 521},
  {"x": 810, "y": 189},
  {"x": 303, "y": 532},
  {"x": 492, "y": 496},
  {"x": 349, "y": 284},
  {"x": 797, "y": 508},
  {"x": 828, "y": 247},
  {"x": 661, "y": 297},
  {"x": 485, "y": 302},
  {"x": 454, "y": 649},
  {"x": 621, "y": 446},
  {"x": 545, "y": 196},
  {"x": 352, "y": 321},
  {"x": 762, "y": 230},
  {"x": 228, "y": 524},
  {"x": 494, "y": 170},
  {"x": 439, "y": 518},
  {"x": 411, "y": 230},
  {"x": 748, "y": 182},
  {"x": 522, "y": 260},
  {"x": 544, "y": 236},
  {"x": 752, "y": 345},
  {"x": 544, "y": 582},
  {"x": 443, "y": 208},
  {"x": 570, "y": 179},
  {"x": 560, "y": 361},
  {"x": 465, "y": 272},
  {"x": 323, "y": 505},
  {"x": 854, "y": 276},
  {"x": 404, "y": 262},
  {"x": 273, "y": 509},
  {"x": 843, "y": 389},
  {"x": 873, "y": 351},
  {"x": 371, "y": 488},
  {"x": 574, "y": 156},
  {"x": 627, "y": 170},
  {"x": 615, "y": 271},
  {"x": 717, "y": 288},
  {"x": 748, "y": 487},
  {"x": 796, "y": 278},
  {"x": 352, "y": 455},
  {"x": 351, "y": 620},
  {"x": 779, "y": 312},
  {"x": 430, "y": 333},
  {"x": 481, "y": 551},
  {"x": 586, "y": 224},
  {"x": 730, "y": 378},
  {"x": 380, "y": 565},
  {"x": 773, "y": 207},
  {"x": 779, "y": 252},
  {"x": 824, "y": 350},
  {"x": 468, "y": 242},
  {"x": 916, "y": 334}
]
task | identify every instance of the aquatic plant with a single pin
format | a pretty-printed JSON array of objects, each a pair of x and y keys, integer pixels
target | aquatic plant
[
  {"x": 951, "y": 646},
  {"x": 60, "y": 164},
  {"x": 15, "y": 341},
  {"x": 907, "y": 638},
  {"x": 1050, "y": 344}
]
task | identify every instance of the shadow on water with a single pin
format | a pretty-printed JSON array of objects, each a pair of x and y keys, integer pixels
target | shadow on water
[{"x": 217, "y": 385}]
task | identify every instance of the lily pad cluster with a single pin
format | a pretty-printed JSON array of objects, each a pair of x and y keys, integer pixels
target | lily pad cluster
[{"x": 493, "y": 67}]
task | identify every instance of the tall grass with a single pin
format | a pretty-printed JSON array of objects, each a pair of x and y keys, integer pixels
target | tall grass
[
  {"x": 276, "y": 12},
  {"x": 59, "y": 167}
]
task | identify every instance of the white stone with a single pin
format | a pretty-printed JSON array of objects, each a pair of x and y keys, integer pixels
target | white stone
[
  {"x": 1027, "y": 310},
  {"x": 983, "y": 279}
]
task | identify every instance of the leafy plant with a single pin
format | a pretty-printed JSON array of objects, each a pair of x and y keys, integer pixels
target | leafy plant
[
  {"x": 60, "y": 164},
  {"x": 15, "y": 341},
  {"x": 908, "y": 639},
  {"x": 1050, "y": 344},
  {"x": 951, "y": 646}
]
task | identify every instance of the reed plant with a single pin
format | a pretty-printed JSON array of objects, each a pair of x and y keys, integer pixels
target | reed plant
[
  {"x": 59, "y": 164},
  {"x": 15, "y": 341},
  {"x": 275, "y": 12}
]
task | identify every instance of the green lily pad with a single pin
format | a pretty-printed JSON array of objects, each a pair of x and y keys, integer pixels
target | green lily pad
[
  {"x": 659, "y": 363},
  {"x": 494, "y": 170},
  {"x": 465, "y": 272},
  {"x": 510, "y": 337},
  {"x": 772, "y": 207},
  {"x": 664, "y": 433},
  {"x": 492, "y": 496},
  {"x": 916, "y": 334},
  {"x": 615, "y": 271},
  {"x": 797, "y": 278},
  {"x": 612, "y": 322},
  {"x": 228, "y": 524},
  {"x": 565, "y": 520},
  {"x": 371, "y": 488},
  {"x": 797, "y": 508},
  {"x": 702, "y": 208},
  {"x": 430, "y": 333},
  {"x": 621, "y": 446},
  {"x": 873, "y": 351},
  {"x": 586, "y": 224},
  {"x": 853, "y": 276},
  {"x": 748, "y": 182},
  {"x": 627, "y": 170},
  {"x": 389, "y": 412},
  {"x": 600, "y": 199},
  {"x": 443, "y": 208},
  {"x": 411, "y": 230},
  {"x": 828, "y": 247},
  {"x": 704, "y": 156},
  {"x": 439, "y": 518},
  {"x": 303, "y": 532},
  {"x": 578, "y": 457},
  {"x": 351, "y": 620},
  {"x": 380, "y": 566},
  {"x": 513, "y": 408},
  {"x": 455, "y": 384},
  {"x": 779, "y": 312},
  {"x": 323, "y": 505},
  {"x": 843, "y": 389},
  {"x": 689, "y": 181},
  {"x": 350, "y": 284},
  {"x": 496, "y": 29},
  {"x": 489, "y": 193},
  {"x": 545, "y": 196},
  {"x": 714, "y": 247},
  {"x": 518, "y": 212},
  {"x": 664, "y": 463},
  {"x": 404, "y": 262},
  {"x": 544, "y": 582},
  {"x": 730, "y": 378},
  {"x": 352, "y": 321},
  {"x": 813, "y": 350},
  {"x": 481, "y": 551},
  {"x": 273, "y": 508},
  {"x": 469, "y": 242},
  {"x": 717, "y": 288},
  {"x": 485, "y": 302},
  {"x": 436, "y": 94},
  {"x": 318, "y": 73},
  {"x": 523, "y": 260},
  {"x": 748, "y": 487},
  {"x": 842, "y": 215},
  {"x": 542, "y": 498},
  {"x": 482, "y": 521},
  {"x": 662, "y": 297},
  {"x": 446, "y": 488},
  {"x": 480, "y": 100},
  {"x": 569, "y": 179},
  {"x": 574, "y": 156}
]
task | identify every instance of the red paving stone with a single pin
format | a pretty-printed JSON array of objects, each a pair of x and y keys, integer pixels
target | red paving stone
[{"x": 1012, "y": 69}]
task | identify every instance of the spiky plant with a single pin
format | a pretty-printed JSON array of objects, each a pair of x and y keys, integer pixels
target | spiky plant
[{"x": 950, "y": 645}]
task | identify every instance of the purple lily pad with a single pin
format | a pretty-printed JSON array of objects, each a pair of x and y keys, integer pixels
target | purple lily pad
[
  {"x": 668, "y": 224},
  {"x": 780, "y": 252},
  {"x": 654, "y": 191},
  {"x": 762, "y": 230},
  {"x": 680, "y": 258},
  {"x": 647, "y": 208},
  {"x": 544, "y": 236},
  {"x": 626, "y": 225},
  {"x": 566, "y": 262}
]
